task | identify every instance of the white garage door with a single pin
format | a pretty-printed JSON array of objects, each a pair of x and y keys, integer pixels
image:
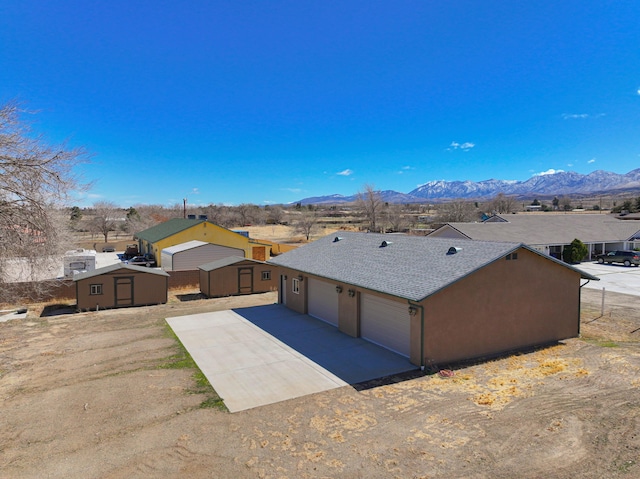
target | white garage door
[
  {"x": 323, "y": 301},
  {"x": 386, "y": 323}
]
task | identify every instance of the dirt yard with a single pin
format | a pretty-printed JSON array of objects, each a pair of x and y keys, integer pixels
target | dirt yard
[{"x": 107, "y": 395}]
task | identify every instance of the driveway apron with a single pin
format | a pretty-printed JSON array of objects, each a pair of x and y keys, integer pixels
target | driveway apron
[{"x": 266, "y": 354}]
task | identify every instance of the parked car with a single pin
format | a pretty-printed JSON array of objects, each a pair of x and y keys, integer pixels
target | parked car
[
  {"x": 147, "y": 260},
  {"x": 627, "y": 258}
]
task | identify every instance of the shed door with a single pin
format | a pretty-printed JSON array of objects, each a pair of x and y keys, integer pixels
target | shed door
[
  {"x": 259, "y": 253},
  {"x": 124, "y": 291},
  {"x": 386, "y": 323},
  {"x": 245, "y": 280},
  {"x": 323, "y": 301}
]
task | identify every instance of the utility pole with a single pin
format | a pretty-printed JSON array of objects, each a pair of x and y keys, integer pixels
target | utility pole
[{"x": 184, "y": 207}]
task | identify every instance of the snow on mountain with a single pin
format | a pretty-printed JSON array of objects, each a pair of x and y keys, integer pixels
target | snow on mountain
[{"x": 557, "y": 184}]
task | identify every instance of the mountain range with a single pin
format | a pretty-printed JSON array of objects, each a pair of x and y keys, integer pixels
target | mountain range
[{"x": 551, "y": 184}]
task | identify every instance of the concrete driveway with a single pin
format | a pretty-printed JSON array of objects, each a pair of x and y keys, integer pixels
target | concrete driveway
[
  {"x": 613, "y": 277},
  {"x": 266, "y": 354}
]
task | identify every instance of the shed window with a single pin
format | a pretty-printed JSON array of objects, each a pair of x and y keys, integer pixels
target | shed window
[
  {"x": 95, "y": 289},
  {"x": 512, "y": 256},
  {"x": 295, "y": 285},
  {"x": 266, "y": 275}
]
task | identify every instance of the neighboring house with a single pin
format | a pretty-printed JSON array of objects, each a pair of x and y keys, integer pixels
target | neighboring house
[
  {"x": 235, "y": 275},
  {"x": 188, "y": 256},
  {"x": 180, "y": 230},
  {"x": 119, "y": 286},
  {"x": 549, "y": 233},
  {"x": 433, "y": 300}
]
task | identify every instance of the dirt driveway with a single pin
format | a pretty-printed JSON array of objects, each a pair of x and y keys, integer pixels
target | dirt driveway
[{"x": 108, "y": 395}]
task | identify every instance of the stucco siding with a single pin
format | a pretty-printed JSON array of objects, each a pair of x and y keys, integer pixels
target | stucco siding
[
  {"x": 506, "y": 305},
  {"x": 295, "y": 301}
]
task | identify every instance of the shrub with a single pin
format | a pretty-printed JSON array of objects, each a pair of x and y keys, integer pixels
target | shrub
[{"x": 574, "y": 252}]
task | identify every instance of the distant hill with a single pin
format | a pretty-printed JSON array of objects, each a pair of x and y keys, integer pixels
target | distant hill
[{"x": 561, "y": 183}]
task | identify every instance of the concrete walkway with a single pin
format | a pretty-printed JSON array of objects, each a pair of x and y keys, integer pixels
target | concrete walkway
[{"x": 266, "y": 354}]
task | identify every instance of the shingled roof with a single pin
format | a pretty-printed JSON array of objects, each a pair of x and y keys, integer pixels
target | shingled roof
[
  {"x": 229, "y": 260},
  {"x": 116, "y": 267},
  {"x": 549, "y": 228},
  {"x": 409, "y": 267}
]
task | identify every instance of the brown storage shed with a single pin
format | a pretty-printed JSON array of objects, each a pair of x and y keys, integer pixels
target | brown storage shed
[
  {"x": 434, "y": 300},
  {"x": 119, "y": 286},
  {"x": 235, "y": 275}
]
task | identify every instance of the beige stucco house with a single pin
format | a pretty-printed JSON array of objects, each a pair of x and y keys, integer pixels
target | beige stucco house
[{"x": 434, "y": 300}]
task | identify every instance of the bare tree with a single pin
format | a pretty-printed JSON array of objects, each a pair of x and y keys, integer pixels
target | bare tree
[
  {"x": 247, "y": 213},
  {"x": 306, "y": 222},
  {"x": 105, "y": 218},
  {"x": 371, "y": 203},
  {"x": 395, "y": 218},
  {"x": 35, "y": 181},
  {"x": 275, "y": 214},
  {"x": 502, "y": 204},
  {"x": 458, "y": 211}
]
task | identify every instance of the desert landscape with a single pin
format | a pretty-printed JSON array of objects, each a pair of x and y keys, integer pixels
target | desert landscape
[{"x": 111, "y": 394}]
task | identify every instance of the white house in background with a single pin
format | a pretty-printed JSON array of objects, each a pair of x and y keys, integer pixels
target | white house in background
[{"x": 549, "y": 233}]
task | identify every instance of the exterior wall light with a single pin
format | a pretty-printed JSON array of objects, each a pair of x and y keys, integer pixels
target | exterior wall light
[
  {"x": 338, "y": 289},
  {"x": 300, "y": 277},
  {"x": 352, "y": 293},
  {"x": 413, "y": 310}
]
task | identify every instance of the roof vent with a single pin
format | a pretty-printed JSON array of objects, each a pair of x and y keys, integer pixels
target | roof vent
[
  {"x": 453, "y": 250},
  {"x": 385, "y": 243},
  {"x": 337, "y": 238}
]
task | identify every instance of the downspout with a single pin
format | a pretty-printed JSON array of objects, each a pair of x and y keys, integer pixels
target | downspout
[
  {"x": 580, "y": 303},
  {"x": 413, "y": 305}
]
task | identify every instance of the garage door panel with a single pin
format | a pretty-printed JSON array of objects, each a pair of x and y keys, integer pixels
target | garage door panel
[
  {"x": 322, "y": 301},
  {"x": 386, "y": 322}
]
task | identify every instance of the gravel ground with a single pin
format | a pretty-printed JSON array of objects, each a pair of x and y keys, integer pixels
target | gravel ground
[{"x": 105, "y": 395}]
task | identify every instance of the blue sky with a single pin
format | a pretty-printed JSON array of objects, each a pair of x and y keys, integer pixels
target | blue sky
[{"x": 274, "y": 101}]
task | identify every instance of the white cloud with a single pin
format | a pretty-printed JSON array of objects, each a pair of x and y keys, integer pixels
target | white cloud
[
  {"x": 195, "y": 191},
  {"x": 292, "y": 190},
  {"x": 580, "y": 116},
  {"x": 592, "y": 160},
  {"x": 550, "y": 171},
  {"x": 346, "y": 172},
  {"x": 569, "y": 165},
  {"x": 574, "y": 116},
  {"x": 466, "y": 146}
]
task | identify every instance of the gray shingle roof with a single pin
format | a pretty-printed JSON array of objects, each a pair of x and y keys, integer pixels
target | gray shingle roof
[
  {"x": 410, "y": 267},
  {"x": 550, "y": 229},
  {"x": 117, "y": 266}
]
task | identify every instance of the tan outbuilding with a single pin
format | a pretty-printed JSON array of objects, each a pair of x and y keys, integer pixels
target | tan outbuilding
[
  {"x": 235, "y": 275},
  {"x": 434, "y": 300},
  {"x": 119, "y": 286}
]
